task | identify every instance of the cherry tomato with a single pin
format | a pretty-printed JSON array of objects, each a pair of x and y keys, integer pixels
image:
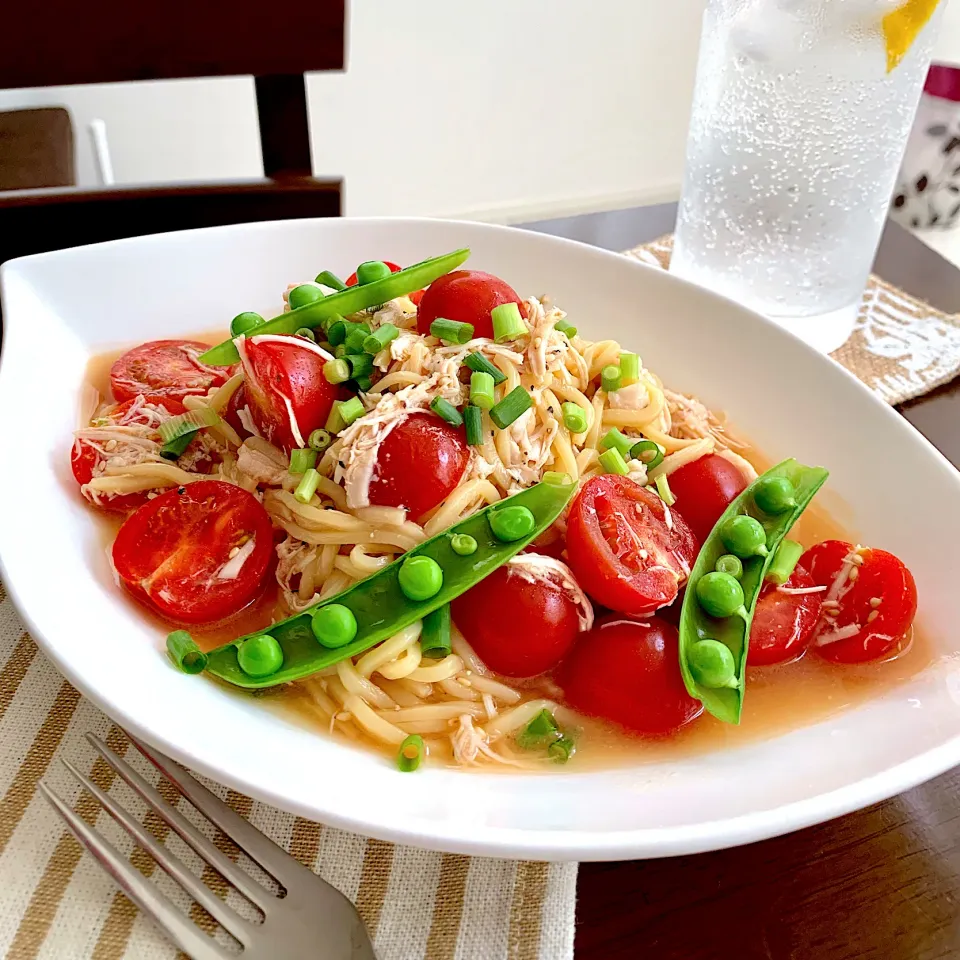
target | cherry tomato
[
  {"x": 285, "y": 389},
  {"x": 881, "y": 601},
  {"x": 623, "y": 549},
  {"x": 628, "y": 671},
  {"x": 419, "y": 463},
  {"x": 520, "y": 623},
  {"x": 176, "y": 553},
  {"x": 165, "y": 368},
  {"x": 84, "y": 456},
  {"x": 783, "y": 623},
  {"x": 232, "y": 412},
  {"x": 704, "y": 489},
  {"x": 467, "y": 296}
]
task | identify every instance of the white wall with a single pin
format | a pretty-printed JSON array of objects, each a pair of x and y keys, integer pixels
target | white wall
[{"x": 497, "y": 109}]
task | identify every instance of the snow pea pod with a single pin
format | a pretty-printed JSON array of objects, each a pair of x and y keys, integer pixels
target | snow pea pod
[
  {"x": 379, "y": 604},
  {"x": 721, "y": 692},
  {"x": 346, "y": 302}
]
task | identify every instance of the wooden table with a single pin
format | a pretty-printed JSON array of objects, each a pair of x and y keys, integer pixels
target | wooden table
[{"x": 881, "y": 884}]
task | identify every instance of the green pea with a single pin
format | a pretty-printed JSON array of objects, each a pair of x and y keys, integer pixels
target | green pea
[
  {"x": 720, "y": 594},
  {"x": 463, "y": 544},
  {"x": 372, "y": 270},
  {"x": 728, "y": 563},
  {"x": 334, "y": 625},
  {"x": 304, "y": 294},
  {"x": 260, "y": 656},
  {"x": 420, "y": 578},
  {"x": 774, "y": 495},
  {"x": 712, "y": 664},
  {"x": 244, "y": 322},
  {"x": 744, "y": 537},
  {"x": 512, "y": 523}
]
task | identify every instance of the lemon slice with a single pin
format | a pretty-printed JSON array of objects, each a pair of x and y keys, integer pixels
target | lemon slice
[{"x": 900, "y": 28}]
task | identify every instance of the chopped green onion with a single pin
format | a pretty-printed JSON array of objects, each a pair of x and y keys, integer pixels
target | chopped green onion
[
  {"x": 574, "y": 417},
  {"x": 185, "y": 654},
  {"x": 188, "y": 422},
  {"x": 784, "y": 561},
  {"x": 560, "y": 751},
  {"x": 435, "y": 635},
  {"x": 446, "y": 411},
  {"x": 260, "y": 656},
  {"x": 610, "y": 378},
  {"x": 330, "y": 280},
  {"x": 363, "y": 383},
  {"x": 335, "y": 423},
  {"x": 473, "y": 419},
  {"x": 175, "y": 449},
  {"x": 556, "y": 478},
  {"x": 614, "y": 439},
  {"x": 451, "y": 331},
  {"x": 420, "y": 578},
  {"x": 410, "y": 754},
  {"x": 326, "y": 346},
  {"x": 334, "y": 625},
  {"x": 351, "y": 409},
  {"x": 361, "y": 364},
  {"x": 507, "y": 322},
  {"x": 481, "y": 390},
  {"x": 728, "y": 563},
  {"x": 244, "y": 322},
  {"x": 612, "y": 462},
  {"x": 307, "y": 486},
  {"x": 340, "y": 351},
  {"x": 336, "y": 371},
  {"x": 516, "y": 403},
  {"x": 479, "y": 363},
  {"x": 357, "y": 333},
  {"x": 319, "y": 440},
  {"x": 463, "y": 545},
  {"x": 565, "y": 326},
  {"x": 629, "y": 368},
  {"x": 511, "y": 523},
  {"x": 302, "y": 459},
  {"x": 307, "y": 334},
  {"x": 380, "y": 337},
  {"x": 372, "y": 270},
  {"x": 337, "y": 331},
  {"x": 648, "y": 452},
  {"x": 663, "y": 488},
  {"x": 539, "y": 732},
  {"x": 304, "y": 294}
]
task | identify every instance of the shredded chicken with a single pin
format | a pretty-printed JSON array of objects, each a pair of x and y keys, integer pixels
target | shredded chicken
[{"x": 690, "y": 420}]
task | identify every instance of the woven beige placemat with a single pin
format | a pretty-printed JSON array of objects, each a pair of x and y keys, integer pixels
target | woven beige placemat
[
  {"x": 57, "y": 904},
  {"x": 900, "y": 347}
]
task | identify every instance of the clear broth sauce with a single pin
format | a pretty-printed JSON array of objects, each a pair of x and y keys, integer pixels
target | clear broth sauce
[{"x": 780, "y": 698}]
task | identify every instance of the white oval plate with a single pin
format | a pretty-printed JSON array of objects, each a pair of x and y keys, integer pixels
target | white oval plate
[{"x": 59, "y": 308}]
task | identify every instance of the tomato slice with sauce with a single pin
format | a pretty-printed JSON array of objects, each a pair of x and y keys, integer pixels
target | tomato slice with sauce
[
  {"x": 522, "y": 619},
  {"x": 628, "y": 671},
  {"x": 467, "y": 296},
  {"x": 869, "y": 603},
  {"x": 783, "y": 621},
  {"x": 627, "y": 549},
  {"x": 285, "y": 389},
  {"x": 419, "y": 464},
  {"x": 165, "y": 368},
  {"x": 197, "y": 553}
]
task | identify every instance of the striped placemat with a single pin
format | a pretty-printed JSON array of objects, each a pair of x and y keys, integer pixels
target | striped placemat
[{"x": 57, "y": 904}]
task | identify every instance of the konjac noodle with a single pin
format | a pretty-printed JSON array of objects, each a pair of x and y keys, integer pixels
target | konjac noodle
[{"x": 412, "y": 442}]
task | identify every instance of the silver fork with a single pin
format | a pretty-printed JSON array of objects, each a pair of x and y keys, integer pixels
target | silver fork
[{"x": 311, "y": 919}]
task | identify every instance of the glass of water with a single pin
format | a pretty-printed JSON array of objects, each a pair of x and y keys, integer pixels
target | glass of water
[{"x": 800, "y": 118}]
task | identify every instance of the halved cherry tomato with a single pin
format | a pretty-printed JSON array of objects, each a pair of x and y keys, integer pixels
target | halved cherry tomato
[
  {"x": 84, "y": 456},
  {"x": 520, "y": 620},
  {"x": 467, "y": 296},
  {"x": 783, "y": 623},
  {"x": 880, "y": 599},
  {"x": 165, "y": 368},
  {"x": 704, "y": 489},
  {"x": 416, "y": 296},
  {"x": 628, "y": 671},
  {"x": 231, "y": 414},
  {"x": 285, "y": 389},
  {"x": 419, "y": 463},
  {"x": 188, "y": 554},
  {"x": 625, "y": 549}
]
